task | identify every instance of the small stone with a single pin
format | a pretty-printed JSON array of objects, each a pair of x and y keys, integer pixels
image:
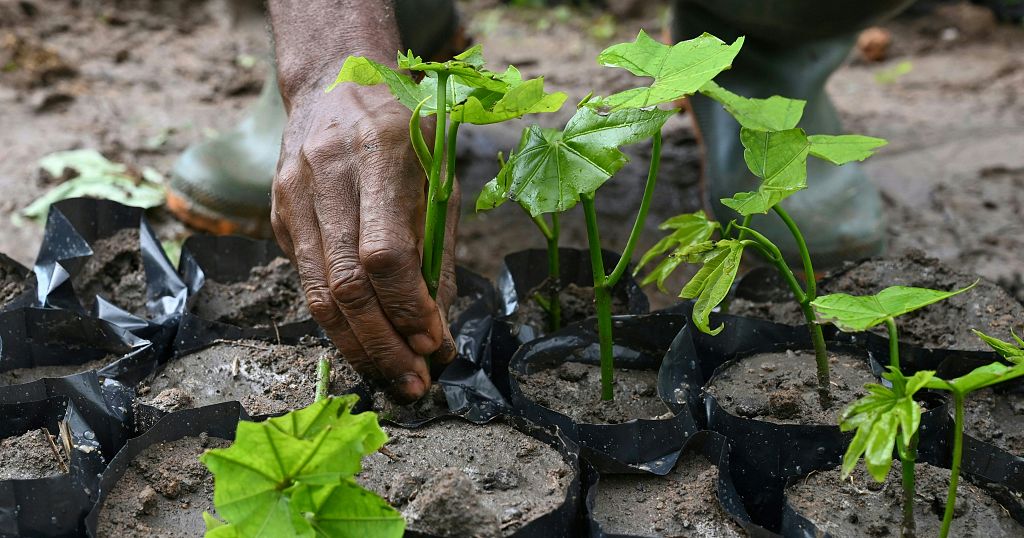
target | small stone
[
  {"x": 873, "y": 44},
  {"x": 572, "y": 371},
  {"x": 147, "y": 501},
  {"x": 768, "y": 367},
  {"x": 784, "y": 403}
]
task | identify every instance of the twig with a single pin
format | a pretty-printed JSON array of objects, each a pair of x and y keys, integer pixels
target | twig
[
  {"x": 277, "y": 333},
  {"x": 391, "y": 455},
  {"x": 56, "y": 451},
  {"x": 240, "y": 344}
]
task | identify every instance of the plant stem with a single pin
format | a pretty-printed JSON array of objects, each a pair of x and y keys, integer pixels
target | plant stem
[
  {"x": 437, "y": 208},
  {"x": 641, "y": 216},
  {"x": 907, "y": 462},
  {"x": 958, "y": 453},
  {"x": 811, "y": 289},
  {"x": 554, "y": 276},
  {"x": 894, "y": 343},
  {"x": 323, "y": 378},
  {"x": 551, "y": 234},
  {"x": 817, "y": 336},
  {"x": 603, "y": 298}
]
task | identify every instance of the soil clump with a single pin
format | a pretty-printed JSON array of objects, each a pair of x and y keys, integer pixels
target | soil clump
[
  {"x": 455, "y": 478},
  {"x": 266, "y": 378},
  {"x": 782, "y": 387},
  {"x": 114, "y": 272},
  {"x": 30, "y": 455},
  {"x": 862, "y": 507},
  {"x": 682, "y": 503},
  {"x": 163, "y": 493},
  {"x": 271, "y": 296},
  {"x": 574, "y": 389}
]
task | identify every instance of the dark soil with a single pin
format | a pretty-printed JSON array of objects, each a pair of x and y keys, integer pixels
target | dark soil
[
  {"x": 164, "y": 492},
  {"x": 434, "y": 404},
  {"x": 272, "y": 295},
  {"x": 574, "y": 389},
  {"x": 13, "y": 281},
  {"x": 454, "y": 478},
  {"x": 30, "y": 455},
  {"x": 683, "y": 503},
  {"x": 577, "y": 305},
  {"x": 988, "y": 307},
  {"x": 267, "y": 378},
  {"x": 27, "y": 375},
  {"x": 997, "y": 418},
  {"x": 862, "y": 507},
  {"x": 783, "y": 387},
  {"x": 114, "y": 272}
]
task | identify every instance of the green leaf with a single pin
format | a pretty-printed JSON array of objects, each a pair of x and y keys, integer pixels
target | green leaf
[
  {"x": 779, "y": 158},
  {"x": 475, "y": 95},
  {"x": 1009, "y": 351},
  {"x": 880, "y": 419},
  {"x": 687, "y": 230},
  {"x": 859, "y": 313},
  {"x": 316, "y": 446},
  {"x": 979, "y": 378},
  {"x": 772, "y": 114},
  {"x": 524, "y": 98},
  {"x": 346, "y": 510},
  {"x": 841, "y": 149},
  {"x": 712, "y": 282},
  {"x": 95, "y": 177},
  {"x": 366, "y": 72},
  {"x": 678, "y": 70},
  {"x": 551, "y": 169}
]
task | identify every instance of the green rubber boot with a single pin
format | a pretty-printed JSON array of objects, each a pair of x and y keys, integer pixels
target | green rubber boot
[
  {"x": 222, "y": 185},
  {"x": 791, "y": 48}
]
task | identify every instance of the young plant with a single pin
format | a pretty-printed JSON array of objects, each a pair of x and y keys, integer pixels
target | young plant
[
  {"x": 457, "y": 91},
  {"x": 551, "y": 170},
  {"x": 292, "y": 476},
  {"x": 979, "y": 378},
  {"x": 887, "y": 416},
  {"x": 775, "y": 151}
]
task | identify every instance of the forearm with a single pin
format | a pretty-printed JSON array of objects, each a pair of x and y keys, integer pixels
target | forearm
[{"x": 313, "y": 37}]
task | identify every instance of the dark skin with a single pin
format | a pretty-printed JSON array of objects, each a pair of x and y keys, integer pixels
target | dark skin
[{"x": 349, "y": 196}]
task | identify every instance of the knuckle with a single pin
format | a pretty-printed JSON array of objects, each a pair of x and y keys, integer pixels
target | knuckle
[
  {"x": 386, "y": 257},
  {"x": 350, "y": 288},
  {"x": 322, "y": 308}
]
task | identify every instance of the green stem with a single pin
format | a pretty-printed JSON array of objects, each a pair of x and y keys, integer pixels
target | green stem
[
  {"x": 437, "y": 209},
  {"x": 894, "y": 343},
  {"x": 958, "y": 453},
  {"x": 746, "y": 226},
  {"x": 811, "y": 290},
  {"x": 603, "y": 298},
  {"x": 323, "y": 378},
  {"x": 554, "y": 276},
  {"x": 641, "y": 216},
  {"x": 804, "y": 300},
  {"x": 907, "y": 462},
  {"x": 441, "y": 204}
]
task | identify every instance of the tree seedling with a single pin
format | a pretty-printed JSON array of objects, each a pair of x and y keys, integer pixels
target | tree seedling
[
  {"x": 552, "y": 170},
  {"x": 887, "y": 416},
  {"x": 457, "y": 91},
  {"x": 776, "y": 151},
  {"x": 292, "y": 476},
  {"x": 979, "y": 378}
]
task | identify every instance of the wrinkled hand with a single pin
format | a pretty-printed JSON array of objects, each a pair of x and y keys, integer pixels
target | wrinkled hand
[{"x": 348, "y": 208}]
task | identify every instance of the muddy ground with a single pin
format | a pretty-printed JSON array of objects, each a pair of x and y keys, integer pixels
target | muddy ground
[
  {"x": 860, "y": 506},
  {"x": 140, "y": 81},
  {"x": 453, "y": 478},
  {"x": 164, "y": 492},
  {"x": 767, "y": 387}
]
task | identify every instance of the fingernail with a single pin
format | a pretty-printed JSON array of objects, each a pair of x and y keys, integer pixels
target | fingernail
[
  {"x": 409, "y": 387},
  {"x": 422, "y": 343}
]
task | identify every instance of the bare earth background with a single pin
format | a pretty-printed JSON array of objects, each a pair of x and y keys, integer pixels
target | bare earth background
[{"x": 141, "y": 80}]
